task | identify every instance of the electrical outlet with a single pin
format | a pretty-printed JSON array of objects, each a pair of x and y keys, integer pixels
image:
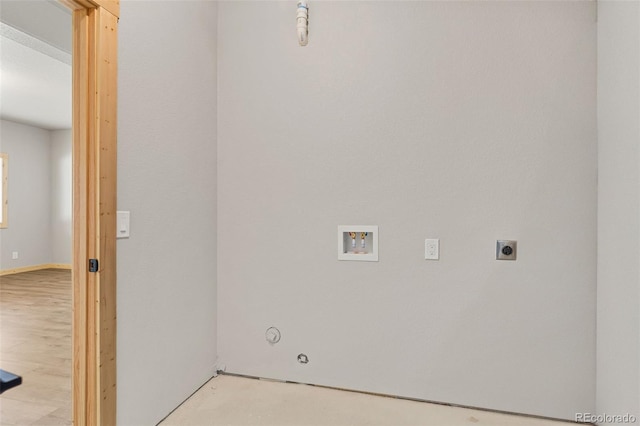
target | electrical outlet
[
  {"x": 14, "y": 255},
  {"x": 506, "y": 249},
  {"x": 432, "y": 249}
]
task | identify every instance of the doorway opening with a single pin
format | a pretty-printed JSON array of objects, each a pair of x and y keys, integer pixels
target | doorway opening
[{"x": 94, "y": 120}]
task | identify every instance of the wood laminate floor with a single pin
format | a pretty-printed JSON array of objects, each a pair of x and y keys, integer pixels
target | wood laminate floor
[{"x": 35, "y": 343}]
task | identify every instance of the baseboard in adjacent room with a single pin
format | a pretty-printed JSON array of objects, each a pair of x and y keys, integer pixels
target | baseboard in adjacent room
[{"x": 34, "y": 268}]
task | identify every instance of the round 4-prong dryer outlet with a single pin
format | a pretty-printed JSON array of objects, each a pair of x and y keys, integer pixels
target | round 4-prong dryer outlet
[{"x": 506, "y": 249}]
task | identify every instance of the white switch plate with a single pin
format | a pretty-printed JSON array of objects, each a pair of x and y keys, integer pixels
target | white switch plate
[
  {"x": 432, "y": 249},
  {"x": 122, "y": 225},
  {"x": 14, "y": 255}
]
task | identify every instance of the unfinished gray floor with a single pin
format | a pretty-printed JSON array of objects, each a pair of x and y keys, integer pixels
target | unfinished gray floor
[{"x": 231, "y": 400}]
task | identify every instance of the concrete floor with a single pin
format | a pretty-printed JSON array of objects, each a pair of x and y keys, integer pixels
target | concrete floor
[{"x": 231, "y": 400}]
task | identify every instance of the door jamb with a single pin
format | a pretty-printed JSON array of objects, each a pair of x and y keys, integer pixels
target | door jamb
[{"x": 95, "y": 29}]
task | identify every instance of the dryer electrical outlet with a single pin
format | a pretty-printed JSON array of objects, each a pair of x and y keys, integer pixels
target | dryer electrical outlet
[{"x": 506, "y": 249}]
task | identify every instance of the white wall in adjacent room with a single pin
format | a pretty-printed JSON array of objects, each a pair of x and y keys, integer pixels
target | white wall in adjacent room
[
  {"x": 29, "y": 195},
  {"x": 463, "y": 121},
  {"x": 618, "y": 354},
  {"x": 167, "y": 180},
  {"x": 61, "y": 197}
]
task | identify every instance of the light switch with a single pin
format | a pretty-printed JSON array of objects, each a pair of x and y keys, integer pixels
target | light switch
[
  {"x": 432, "y": 249},
  {"x": 122, "y": 225}
]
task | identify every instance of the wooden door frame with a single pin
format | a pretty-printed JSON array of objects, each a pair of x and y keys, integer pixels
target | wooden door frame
[{"x": 95, "y": 30}]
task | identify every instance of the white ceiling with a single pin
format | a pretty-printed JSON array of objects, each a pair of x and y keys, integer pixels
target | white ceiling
[{"x": 35, "y": 63}]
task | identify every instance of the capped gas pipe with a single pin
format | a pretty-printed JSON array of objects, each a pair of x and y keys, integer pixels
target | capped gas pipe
[{"x": 302, "y": 20}]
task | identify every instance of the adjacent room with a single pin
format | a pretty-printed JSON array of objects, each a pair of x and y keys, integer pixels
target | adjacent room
[
  {"x": 35, "y": 239},
  {"x": 365, "y": 212}
]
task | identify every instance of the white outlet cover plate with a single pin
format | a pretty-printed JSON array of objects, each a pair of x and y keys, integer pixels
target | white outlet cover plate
[
  {"x": 371, "y": 256},
  {"x": 432, "y": 249}
]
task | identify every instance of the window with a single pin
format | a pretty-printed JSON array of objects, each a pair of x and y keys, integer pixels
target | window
[{"x": 4, "y": 173}]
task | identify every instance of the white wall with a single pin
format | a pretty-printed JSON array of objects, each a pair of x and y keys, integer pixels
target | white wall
[
  {"x": 40, "y": 199},
  {"x": 61, "y": 196},
  {"x": 618, "y": 354},
  {"x": 167, "y": 179},
  {"x": 464, "y": 121},
  {"x": 29, "y": 195}
]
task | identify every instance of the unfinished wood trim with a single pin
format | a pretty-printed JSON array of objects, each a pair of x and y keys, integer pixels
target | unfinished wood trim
[
  {"x": 21, "y": 270},
  {"x": 34, "y": 268},
  {"x": 92, "y": 402},
  {"x": 5, "y": 187},
  {"x": 94, "y": 213},
  {"x": 76, "y": 4},
  {"x": 60, "y": 266},
  {"x": 80, "y": 118},
  {"x": 106, "y": 132},
  {"x": 112, "y": 6}
]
